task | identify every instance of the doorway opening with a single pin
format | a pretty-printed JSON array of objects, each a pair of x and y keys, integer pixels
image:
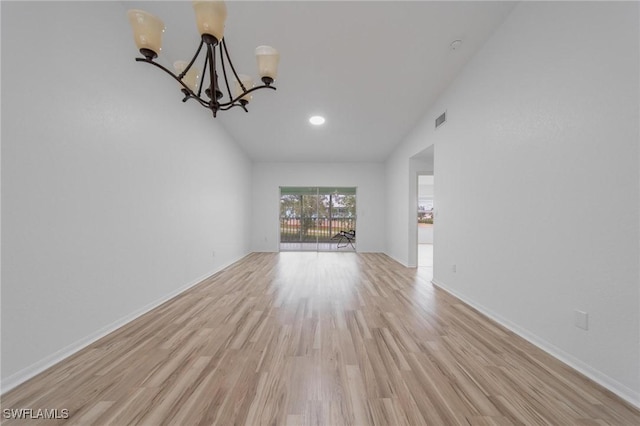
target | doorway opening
[
  {"x": 313, "y": 218},
  {"x": 425, "y": 221}
]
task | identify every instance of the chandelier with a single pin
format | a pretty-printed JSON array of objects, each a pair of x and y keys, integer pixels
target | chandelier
[{"x": 210, "y": 18}]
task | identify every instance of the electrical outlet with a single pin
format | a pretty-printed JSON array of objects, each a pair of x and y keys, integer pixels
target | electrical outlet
[
  {"x": 213, "y": 253},
  {"x": 454, "y": 268},
  {"x": 581, "y": 320}
]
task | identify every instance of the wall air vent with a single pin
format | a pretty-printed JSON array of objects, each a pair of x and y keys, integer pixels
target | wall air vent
[{"x": 441, "y": 120}]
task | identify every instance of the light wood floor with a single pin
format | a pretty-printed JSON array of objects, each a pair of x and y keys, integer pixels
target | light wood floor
[{"x": 322, "y": 339}]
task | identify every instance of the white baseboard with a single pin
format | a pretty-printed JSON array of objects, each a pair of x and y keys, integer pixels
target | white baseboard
[
  {"x": 397, "y": 260},
  {"x": 38, "y": 367},
  {"x": 597, "y": 376}
]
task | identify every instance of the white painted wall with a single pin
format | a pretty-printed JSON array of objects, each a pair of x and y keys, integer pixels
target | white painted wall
[
  {"x": 542, "y": 128},
  {"x": 398, "y": 206},
  {"x": 269, "y": 177},
  {"x": 638, "y": 217},
  {"x": 114, "y": 193}
]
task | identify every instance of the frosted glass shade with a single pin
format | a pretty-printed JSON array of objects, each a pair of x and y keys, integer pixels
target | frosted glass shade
[
  {"x": 248, "y": 84},
  {"x": 147, "y": 30},
  {"x": 191, "y": 78},
  {"x": 210, "y": 17},
  {"x": 268, "y": 59}
]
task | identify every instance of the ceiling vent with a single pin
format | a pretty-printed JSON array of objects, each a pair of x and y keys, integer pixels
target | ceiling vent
[{"x": 441, "y": 120}]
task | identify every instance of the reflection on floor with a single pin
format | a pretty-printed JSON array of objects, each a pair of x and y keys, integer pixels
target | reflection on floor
[{"x": 332, "y": 246}]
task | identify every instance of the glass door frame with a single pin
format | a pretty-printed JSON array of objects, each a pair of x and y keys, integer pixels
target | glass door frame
[{"x": 325, "y": 219}]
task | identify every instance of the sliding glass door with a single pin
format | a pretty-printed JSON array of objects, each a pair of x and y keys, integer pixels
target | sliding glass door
[{"x": 311, "y": 218}]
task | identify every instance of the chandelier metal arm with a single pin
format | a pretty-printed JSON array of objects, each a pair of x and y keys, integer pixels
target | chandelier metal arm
[
  {"x": 224, "y": 71},
  {"x": 239, "y": 97},
  {"x": 228, "y": 107},
  {"x": 193, "y": 60},
  {"x": 206, "y": 63},
  {"x": 213, "y": 92},
  {"x": 226, "y": 52},
  {"x": 188, "y": 94},
  {"x": 213, "y": 103}
]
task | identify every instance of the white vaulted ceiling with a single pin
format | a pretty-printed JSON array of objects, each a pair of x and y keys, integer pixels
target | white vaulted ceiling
[{"x": 371, "y": 68}]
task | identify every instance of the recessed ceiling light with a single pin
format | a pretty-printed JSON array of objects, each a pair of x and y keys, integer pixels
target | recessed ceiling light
[
  {"x": 455, "y": 44},
  {"x": 317, "y": 120}
]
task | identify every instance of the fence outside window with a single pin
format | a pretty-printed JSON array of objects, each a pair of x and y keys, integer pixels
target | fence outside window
[{"x": 315, "y": 214}]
